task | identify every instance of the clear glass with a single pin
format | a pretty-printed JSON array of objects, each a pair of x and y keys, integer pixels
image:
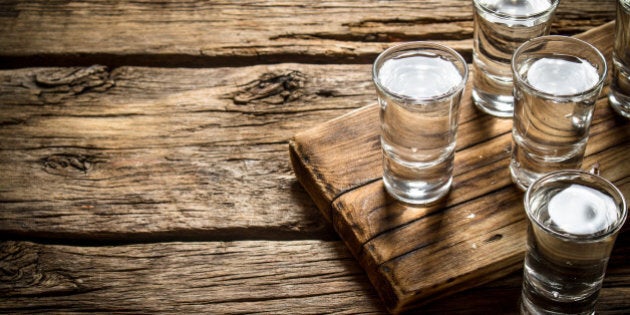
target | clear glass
[
  {"x": 619, "y": 96},
  {"x": 419, "y": 87},
  {"x": 557, "y": 80},
  {"x": 500, "y": 27},
  {"x": 574, "y": 219}
]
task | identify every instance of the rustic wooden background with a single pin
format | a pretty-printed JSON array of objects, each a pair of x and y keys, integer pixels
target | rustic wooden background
[{"x": 144, "y": 159}]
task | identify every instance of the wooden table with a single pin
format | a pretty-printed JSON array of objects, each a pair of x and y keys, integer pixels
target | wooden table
[{"x": 144, "y": 163}]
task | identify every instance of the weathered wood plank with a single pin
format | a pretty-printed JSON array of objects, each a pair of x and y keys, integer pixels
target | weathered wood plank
[
  {"x": 134, "y": 154},
  {"x": 152, "y": 153},
  {"x": 202, "y": 33},
  {"x": 417, "y": 254},
  {"x": 210, "y": 277},
  {"x": 268, "y": 277}
]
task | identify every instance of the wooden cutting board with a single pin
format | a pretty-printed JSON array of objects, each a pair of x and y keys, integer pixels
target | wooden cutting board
[{"x": 416, "y": 254}]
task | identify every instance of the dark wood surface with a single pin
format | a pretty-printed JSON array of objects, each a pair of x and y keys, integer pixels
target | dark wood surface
[{"x": 144, "y": 162}]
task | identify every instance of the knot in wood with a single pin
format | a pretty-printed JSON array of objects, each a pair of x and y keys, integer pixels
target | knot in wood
[
  {"x": 18, "y": 265},
  {"x": 272, "y": 88},
  {"x": 60, "y": 164},
  {"x": 57, "y": 84},
  {"x": 22, "y": 274}
]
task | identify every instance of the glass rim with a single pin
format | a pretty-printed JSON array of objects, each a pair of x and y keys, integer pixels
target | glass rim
[
  {"x": 612, "y": 190},
  {"x": 553, "y": 5},
  {"x": 601, "y": 76},
  {"x": 420, "y": 46}
]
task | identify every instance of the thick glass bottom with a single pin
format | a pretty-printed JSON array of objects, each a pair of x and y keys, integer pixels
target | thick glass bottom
[
  {"x": 496, "y": 105},
  {"x": 620, "y": 103},
  {"x": 416, "y": 192}
]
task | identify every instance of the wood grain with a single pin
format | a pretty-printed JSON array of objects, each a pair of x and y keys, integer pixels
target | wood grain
[
  {"x": 208, "y": 277},
  {"x": 477, "y": 234},
  {"x": 217, "y": 33},
  {"x": 269, "y": 277},
  {"x": 153, "y": 190},
  {"x": 160, "y": 153}
]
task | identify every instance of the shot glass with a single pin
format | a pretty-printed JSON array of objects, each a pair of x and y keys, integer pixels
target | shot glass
[
  {"x": 619, "y": 96},
  {"x": 557, "y": 80},
  {"x": 500, "y": 27},
  {"x": 574, "y": 217},
  {"x": 419, "y": 87}
]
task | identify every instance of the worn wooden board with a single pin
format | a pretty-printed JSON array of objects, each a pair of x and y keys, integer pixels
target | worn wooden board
[
  {"x": 417, "y": 254},
  {"x": 220, "y": 33},
  {"x": 192, "y": 278},
  {"x": 139, "y": 154},
  {"x": 234, "y": 277},
  {"x": 122, "y": 173}
]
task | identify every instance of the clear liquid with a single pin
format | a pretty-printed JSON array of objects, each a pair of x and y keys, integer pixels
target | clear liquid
[
  {"x": 419, "y": 76},
  {"x": 501, "y": 26},
  {"x": 564, "y": 274},
  {"x": 561, "y": 76},
  {"x": 418, "y": 137},
  {"x": 575, "y": 209},
  {"x": 551, "y": 132},
  {"x": 516, "y": 9},
  {"x": 619, "y": 96}
]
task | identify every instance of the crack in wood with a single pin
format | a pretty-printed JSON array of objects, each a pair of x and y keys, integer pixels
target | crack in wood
[
  {"x": 376, "y": 37},
  {"x": 11, "y": 122},
  {"x": 494, "y": 238},
  {"x": 272, "y": 88},
  {"x": 373, "y": 31},
  {"x": 406, "y": 22}
]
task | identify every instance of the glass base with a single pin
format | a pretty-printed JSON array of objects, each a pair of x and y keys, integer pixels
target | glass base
[
  {"x": 521, "y": 177},
  {"x": 620, "y": 103},
  {"x": 528, "y": 308},
  {"x": 534, "y": 303},
  {"x": 416, "y": 192},
  {"x": 496, "y": 105}
]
